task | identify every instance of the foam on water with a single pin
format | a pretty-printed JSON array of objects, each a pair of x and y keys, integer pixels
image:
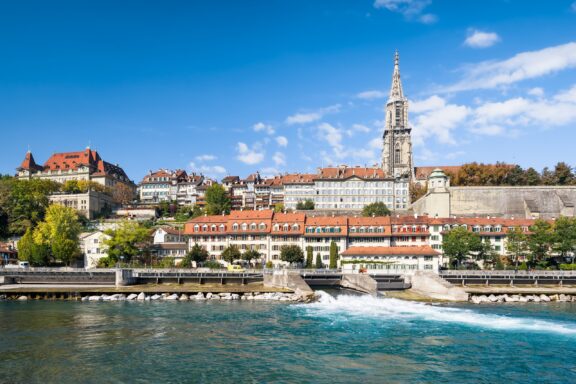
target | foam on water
[{"x": 395, "y": 309}]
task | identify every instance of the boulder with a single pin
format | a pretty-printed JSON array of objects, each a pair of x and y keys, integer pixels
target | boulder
[
  {"x": 235, "y": 296},
  {"x": 141, "y": 296},
  {"x": 173, "y": 296},
  {"x": 95, "y": 298},
  {"x": 22, "y": 298},
  {"x": 132, "y": 296},
  {"x": 523, "y": 299},
  {"x": 199, "y": 296},
  {"x": 475, "y": 299},
  {"x": 544, "y": 298},
  {"x": 84, "y": 298},
  {"x": 156, "y": 297},
  {"x": 492, "y": 298},
  {"x": 184, "y": 297},
  {"x": 209, "y": 295},
  {"x": 555, "y": 297},
  {"x": 563, "y": 298}
]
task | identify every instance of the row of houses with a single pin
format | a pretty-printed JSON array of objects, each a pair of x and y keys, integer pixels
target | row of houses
[{"x": 404, "y": 242}]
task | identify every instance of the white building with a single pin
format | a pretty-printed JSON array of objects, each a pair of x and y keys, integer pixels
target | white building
[{"x": 93, "y": 247}]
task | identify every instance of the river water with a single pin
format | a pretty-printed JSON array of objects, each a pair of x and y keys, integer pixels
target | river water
[{"x": 341, "y": 339}]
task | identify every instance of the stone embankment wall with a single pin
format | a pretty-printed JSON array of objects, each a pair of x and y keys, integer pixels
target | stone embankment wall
[
  {"x": 360, "y": 282},
  {"x": 291, "y": 280}
]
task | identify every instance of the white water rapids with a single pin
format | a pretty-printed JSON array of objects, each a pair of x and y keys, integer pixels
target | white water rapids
[{"x": 396, "y": 309}]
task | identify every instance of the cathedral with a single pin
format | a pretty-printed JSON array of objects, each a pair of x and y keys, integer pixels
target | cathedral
[{"x": 397, "y": 149}]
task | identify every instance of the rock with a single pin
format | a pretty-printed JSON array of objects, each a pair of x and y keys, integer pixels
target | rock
[
  {"x": 147, "y": 298},
  {"x": 141, "y": 296},
  {"x": 243, "y": 297},
  {"x": 95, "y": 298},
  {"x": 475, "y": 299},
  {"x": 2, "y": 297},
  {"x": 132, "y": 296},
  {"x": 536, "y": 299},
  {"x": 199, "y": 296},
  {"x": 544, "y": 298},
  {"x": 555, "y": 297},
  {"x": 214, "y": 297},
  {"x": 84, "y": 298},
  {"x": 235, "y": 296},
  {"x": 249, "y": 297},
  {"x": 209, "y": 295},
  {"x": 492, "y": 298},
  {"x": 155, "y": 297},
  {"x": 105, "y": 297},
  {"x": 173, "y": 296},
  {"x": 515, "y": 298},
  {"x": 22, "y": 298},
  {"x": 563, "y": 298},
  {"x": 224, "y": 294},
  {"x": 184, "y": 297},
  {"x": 523, "y": 299}
]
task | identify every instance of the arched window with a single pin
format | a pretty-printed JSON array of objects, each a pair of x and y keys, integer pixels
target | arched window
[
  {"x": 196, "y": 228},
  {"x": 353, "y": 230},
  {"x": 205, "y": 228},
  {"x": 213, "y": 228},
  {"x": 253, "y": 227},
  {"x": 285, "y": 227},
  {"x": 244, "y": 226},
  {"x": 276, "y": 227},
  {"x": 295, "y": 227},
  {"x": 222, "y": 228},
  {"x": 397, "y": 158},
  {"x": 235, "y": 226},
  {"x": 318, "y": 229},
  {"x": 362, "y": 230},
  {"x": 262, "y": 226}
]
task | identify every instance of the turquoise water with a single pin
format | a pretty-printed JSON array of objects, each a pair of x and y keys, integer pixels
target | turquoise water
[{"x": 346, "y": 339}]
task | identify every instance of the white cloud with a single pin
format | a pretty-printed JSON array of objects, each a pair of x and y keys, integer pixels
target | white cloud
[
  {"x": 263, "y": 127},
  {"x": 375, "y": 143},
  {"x": 269, "y": 172},
  {"x": 332, "y": 135},
  {"x": 410, "y": 9},
  {"x": 279, "y": 159},
  {"x": 205, "y": 157},
  {"x": 568, "y": 96},
  {"x": 480, "y": 39},
  {"x": 249, "y": 155},
  {"x": 209, "y": 170},
  {"x": 303, "y": 118},
  {"x": 437, "y": 119},
  {"x": 537, "y": 91},
  {"x": 282, "y": 141},
  {"x": 429, "y": 104},
  {"x": 523, "y": 66},
  {"x": 360, "y": 128},
  {"x": 371, "y": 95}
]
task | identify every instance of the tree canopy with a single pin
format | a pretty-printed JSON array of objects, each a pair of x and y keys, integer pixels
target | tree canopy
[
  {"x": 375, "y": 209},
  {"x": 197, "y": 254},
  {"x": 130, "y": 239},
  {"x": 333, "y": 255},
  {"x": 306, "y": 205},
  {"x": 59, "y": 231},
  {"x": 217, "y": 200},
  {"x": 291, "y": 254},
  {"x": 231, "y": 254},
  {"x": 459, "y": 244}
]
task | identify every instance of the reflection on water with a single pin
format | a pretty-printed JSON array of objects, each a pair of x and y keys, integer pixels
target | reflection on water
[{"x": 341, "y": 339}]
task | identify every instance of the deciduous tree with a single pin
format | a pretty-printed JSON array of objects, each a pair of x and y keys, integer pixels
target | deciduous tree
[
  {"x": 217, "y": 200},
  {"x": 375, "y": 209},
  {"x": 291, "y": 254},
  {"x": 130, "y": 240},
  {"x": 59, "y": 231},
  {"x": 333, "y": 255},
  {"x": 231, "y": 254},
  {"x": 196, "y": 254},
  {"x": 459, "y": 244}
]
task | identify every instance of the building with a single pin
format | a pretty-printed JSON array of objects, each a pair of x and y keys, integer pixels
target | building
[
  {"x": 93, "y": 247},
  {"x": 166, "y": 185},
  {"x": 8, "y": 254},
  {"x": 84, "y": 165},
  {"x": 530, "y": 202},
  {"x": 391, "y": 260},
  {"x": 397, "y": 148}
]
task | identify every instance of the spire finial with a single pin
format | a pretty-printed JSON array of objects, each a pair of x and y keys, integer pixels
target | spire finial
[{"x": 396, "y": 89}]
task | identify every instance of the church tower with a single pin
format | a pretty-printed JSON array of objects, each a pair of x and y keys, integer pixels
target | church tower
[{"x": 397, "y": 151}]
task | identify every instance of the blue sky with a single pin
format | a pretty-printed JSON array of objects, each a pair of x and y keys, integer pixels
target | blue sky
[{"x": 231, "y": 87}]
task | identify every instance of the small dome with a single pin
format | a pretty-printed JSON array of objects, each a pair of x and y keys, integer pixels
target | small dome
[{"x": 437, "y": 173}]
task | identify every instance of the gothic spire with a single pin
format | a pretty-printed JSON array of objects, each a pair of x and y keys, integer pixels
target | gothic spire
[{"x": 396, "y": 90}]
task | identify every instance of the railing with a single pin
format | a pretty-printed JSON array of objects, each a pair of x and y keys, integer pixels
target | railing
[{"x": 506, "y": 273}]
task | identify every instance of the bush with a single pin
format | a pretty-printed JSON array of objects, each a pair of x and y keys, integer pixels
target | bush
[
  {"x": 568, "y": 267},
  {"x": 269, "y": 264},
  {"x": 212, "y": 264}
]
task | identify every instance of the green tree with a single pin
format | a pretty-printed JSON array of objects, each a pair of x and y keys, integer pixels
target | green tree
[
  {"x": 279, "y": 208},
  {"x": 333, "y": 255},
  {"x": 70, "y": 186},
  {"x": 309, "y": 257},
  {"x": 416, "y": 191},
  {"x": 486, "y": 253},
  {"x": 251, "y": 254},
  {"x": 563, "y": 174},
  {"x": 375, "y": 209},
  {"x": 516, "y": 176},
  {"x": 319, "y": 264},
  {"x": 231, "y": 254},
  {"x": 564, "y": 238},
  {"x": 459, "y": 244},
  {"x": 196, "y": 254},
  {"x": 129, "y": 240},
  {"x": 516, "y": 244},
  {"x": 306, "y": 205},
  {"x": 291, "y": 254},
  {"x": 37, "y": 255},
  {"x": 540, "y": 240},
  {"x": 532, "y": 177},
  {"x": 217, "y": 200},
  {"x": 60, "y": 230}
]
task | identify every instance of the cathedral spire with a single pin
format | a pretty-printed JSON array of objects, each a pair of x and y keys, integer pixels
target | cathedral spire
[{"x": 396, "y": 92}]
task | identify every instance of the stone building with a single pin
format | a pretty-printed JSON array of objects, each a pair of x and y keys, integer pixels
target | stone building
[{"x": 84, "y": 165}]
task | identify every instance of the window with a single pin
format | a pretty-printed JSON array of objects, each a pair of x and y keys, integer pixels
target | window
[
  {"x": 196, "y": 228},
  {"x": 205, "y": 228},
  {"x": 397, "y": 155},
  {"x": 262, "y": 226},
  {"x": 235, "y": 226},
  {"x": 253, "y": 226},
  {"x": 244, "y": 226}
]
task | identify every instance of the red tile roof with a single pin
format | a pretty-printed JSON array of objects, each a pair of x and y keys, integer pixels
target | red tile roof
[
  {"x": 298, "y": 178},
  {"x": 390, "y": 251},
  {"x": 349, "y": 172},
  {"x": 29, "y": 164}
]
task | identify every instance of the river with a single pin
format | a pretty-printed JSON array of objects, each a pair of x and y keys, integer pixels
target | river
[{"x": 340, "y": 339}]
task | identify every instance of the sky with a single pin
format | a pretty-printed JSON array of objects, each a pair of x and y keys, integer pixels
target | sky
[{"x": 233, "y": 87}]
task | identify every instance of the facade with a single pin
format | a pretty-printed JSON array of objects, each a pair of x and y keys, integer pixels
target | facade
[
  {"x": 420, "y": 236},
  {"x": 166, "y": 185},
  {"x": 93, "y": 247},
  {"x": 84, "y": 165},
  {"x": 390, "y": 260}
]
